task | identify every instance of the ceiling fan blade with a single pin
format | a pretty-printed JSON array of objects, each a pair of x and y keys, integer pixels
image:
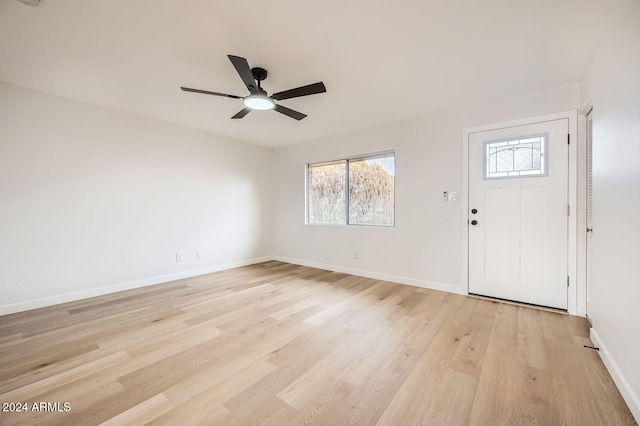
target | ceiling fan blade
[
  {"x": 291, "y": 113},
  {"x": 310, "y": 89},
  {"x": 206, "y": 92},
  {"x": 242, "y": 67},
  {"x": 242, "y": 113}
]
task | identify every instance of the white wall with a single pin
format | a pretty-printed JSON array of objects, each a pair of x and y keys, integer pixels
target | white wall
[
  {"x": 425, "y": 247},
  {"x": 93, "y": 200},
  {"x": 612, "y": 86}
]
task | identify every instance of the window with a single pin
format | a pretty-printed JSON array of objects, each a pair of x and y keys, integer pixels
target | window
[
  {"x": 355, "y": 191},
  {"x": 327, "y": 186},
  {"x": 522, "y": 157}
]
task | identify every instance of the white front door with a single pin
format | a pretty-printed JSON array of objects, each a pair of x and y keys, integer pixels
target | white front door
[{"x": 518, "y": 208}]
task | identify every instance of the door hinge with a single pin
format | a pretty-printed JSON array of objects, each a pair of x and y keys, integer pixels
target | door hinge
[
  {"x": 567, "y": 281},
  {"x": 568, "y": 210},
  {"x": 568, "y": 139}
]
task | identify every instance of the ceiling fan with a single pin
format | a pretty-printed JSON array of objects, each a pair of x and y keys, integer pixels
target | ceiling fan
[{"x": 257, "y": 98}]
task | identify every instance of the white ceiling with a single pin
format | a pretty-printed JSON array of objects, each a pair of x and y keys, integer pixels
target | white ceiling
[{"x": 382, "y": 61}]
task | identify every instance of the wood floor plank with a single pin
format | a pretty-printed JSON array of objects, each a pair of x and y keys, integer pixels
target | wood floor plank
[
  {"x": 296, "y": 358},
  {"x": 413, "y": 400},
  {"x": 278, "y": 344},
  {"x": 375, "y": 383},
  {"x": 197, "y": 412},
  {"x": 531, "y": 348},
  {"x": 142, "y": 413},
  {"x": 223, "y": 383},
  {"x": 396, "y": 340},
  {"x": 344, "y": 304},
  {"x": 54, "y": 355},
  {"x": 304, "y": 389},
  {"x": 499, "y": 397},
  {"x": 82, "y": 395},
  {"x": 64, "y": 378}
]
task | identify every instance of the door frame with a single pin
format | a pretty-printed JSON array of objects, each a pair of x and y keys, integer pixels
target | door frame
[{"x": 575, "y": 305}]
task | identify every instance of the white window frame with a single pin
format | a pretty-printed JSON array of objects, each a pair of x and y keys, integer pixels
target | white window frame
[{"x": 347, "y": 160}]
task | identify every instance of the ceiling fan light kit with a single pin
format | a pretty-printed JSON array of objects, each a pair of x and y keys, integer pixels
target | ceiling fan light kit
[
  {"x": 259, "y": 102},
  {"x": 258, "y": 98}
]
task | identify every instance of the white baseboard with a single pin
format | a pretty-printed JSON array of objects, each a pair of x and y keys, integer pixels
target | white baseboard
[
  {"x": 623, "y": 386},
  {"x": 129, "y": 285},
  {"x": 432, "y": 285}
]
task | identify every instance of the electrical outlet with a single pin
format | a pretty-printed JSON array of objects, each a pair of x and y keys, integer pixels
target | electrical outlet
[
  {"x": 356, "y": 255},
  {"x": 178, "y": 257}
]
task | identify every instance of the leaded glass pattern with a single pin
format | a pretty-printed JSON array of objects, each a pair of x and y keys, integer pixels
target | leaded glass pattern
[{"x": 522, "y": 157}]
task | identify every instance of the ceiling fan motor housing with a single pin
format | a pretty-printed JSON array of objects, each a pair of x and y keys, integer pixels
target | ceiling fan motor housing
[{"x": 259, "y": 74}]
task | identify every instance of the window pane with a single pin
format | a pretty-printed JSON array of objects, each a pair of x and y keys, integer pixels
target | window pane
[
  {"x": 327, "y": 195},
  {"x": 524, "y": 157},
  {"x": 371, "y": 190}
]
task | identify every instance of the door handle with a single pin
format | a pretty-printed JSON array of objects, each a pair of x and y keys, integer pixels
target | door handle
[{"x": 474, "y": 222}]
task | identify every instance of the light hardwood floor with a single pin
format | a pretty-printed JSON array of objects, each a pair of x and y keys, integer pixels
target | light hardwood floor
[{"x": 279, "y": 344}]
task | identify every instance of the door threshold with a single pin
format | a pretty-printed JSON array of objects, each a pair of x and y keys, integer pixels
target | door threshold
[{"x": 522, "y": 304}]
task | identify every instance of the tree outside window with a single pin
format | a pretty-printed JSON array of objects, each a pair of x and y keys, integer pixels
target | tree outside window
[{"x": 356, "y": 191}]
